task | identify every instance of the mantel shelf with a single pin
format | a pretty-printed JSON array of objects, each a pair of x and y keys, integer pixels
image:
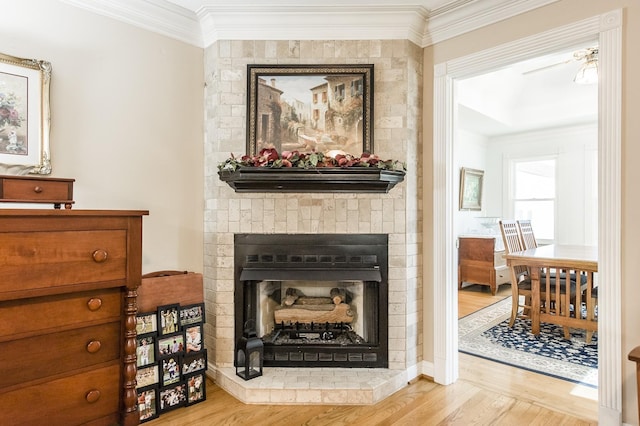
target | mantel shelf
[{"x": 324, "y": 179}]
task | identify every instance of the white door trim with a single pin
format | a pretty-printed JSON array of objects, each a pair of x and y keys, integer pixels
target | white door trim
[{"x": 607, "y": 28}]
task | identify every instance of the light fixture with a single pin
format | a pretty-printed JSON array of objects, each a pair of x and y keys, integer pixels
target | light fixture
[{"x": 588, "y": 72}]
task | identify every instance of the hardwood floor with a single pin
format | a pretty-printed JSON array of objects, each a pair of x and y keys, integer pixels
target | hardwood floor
[{"x": 487, "y": 393}]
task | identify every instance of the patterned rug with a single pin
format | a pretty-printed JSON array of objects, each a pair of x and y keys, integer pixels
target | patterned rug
[{"x": 487, "y": 334}]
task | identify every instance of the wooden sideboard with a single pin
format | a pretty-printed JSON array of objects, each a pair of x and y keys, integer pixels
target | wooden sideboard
[
  {"x": 68, "y": 282},
  {"x": 480, "y": 262}
]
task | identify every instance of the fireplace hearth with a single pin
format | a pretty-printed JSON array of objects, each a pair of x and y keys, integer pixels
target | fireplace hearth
[{"x": 317, "y": 300}]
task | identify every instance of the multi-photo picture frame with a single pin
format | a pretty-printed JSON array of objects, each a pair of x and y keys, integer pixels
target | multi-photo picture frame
[{"x": 171, "y": 358}]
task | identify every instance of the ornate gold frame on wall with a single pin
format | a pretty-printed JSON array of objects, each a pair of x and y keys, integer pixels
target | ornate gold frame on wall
[{"x": 25, "y": 116}]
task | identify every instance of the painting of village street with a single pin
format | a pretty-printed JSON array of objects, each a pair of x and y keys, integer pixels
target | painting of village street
[{"x": 311, "y": 112}]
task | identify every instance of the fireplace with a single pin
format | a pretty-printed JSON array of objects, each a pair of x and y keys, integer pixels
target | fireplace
[{"x": 316, "y": 300}]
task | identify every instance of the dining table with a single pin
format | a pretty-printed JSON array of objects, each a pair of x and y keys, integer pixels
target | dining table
[{"x": 578, "y": 261}]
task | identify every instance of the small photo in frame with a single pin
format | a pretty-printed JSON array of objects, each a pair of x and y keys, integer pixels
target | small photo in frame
[
  {"x": 145, "y": 350},
  {"x": 168, "y": 317},
  {"x": 191, "y": 314},
  {"x": 471, "y": 189},
  {"x": 193, "y": 336},
  {"x": 148, "y": 403},
  {"x": 196, "y": 388},
  {"x": 147, "y": 323},
  {"x": 194, "y": 361},
  {"x": 173, "y": 397},
  {"x": 147, "y": 376},
  {"x": 170, "y": 368},
  {"x": 170, "y": 345}
]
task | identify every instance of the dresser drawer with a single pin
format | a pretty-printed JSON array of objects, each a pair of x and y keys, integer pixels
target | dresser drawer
[
  {"x": 68, "y": 401},
  {"x": 42, "y": 260},
  {"x": 37, "y": 314},
  {"x": 44, "y": 190},
  {"x": 50, "y": 354}
]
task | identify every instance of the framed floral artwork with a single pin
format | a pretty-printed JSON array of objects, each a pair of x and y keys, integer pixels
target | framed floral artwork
[
  {"x": 309, "y": 108},
  {"x": 24, "y": 115}
]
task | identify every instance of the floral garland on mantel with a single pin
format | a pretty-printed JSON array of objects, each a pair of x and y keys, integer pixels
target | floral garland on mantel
[{"x": 269, "y": 158}]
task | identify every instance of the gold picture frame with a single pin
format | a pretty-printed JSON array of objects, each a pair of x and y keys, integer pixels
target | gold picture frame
[
  {"x": 309, "y": 108},
  {"x": 471, "y": 189},
  {"x": 25, "y": 116}
]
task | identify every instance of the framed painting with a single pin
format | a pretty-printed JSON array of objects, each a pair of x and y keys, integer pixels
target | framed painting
[
  {"x": 471, "y": 189},
  {"x": 24, "y": 116},
  {"x": 309, "y": 108}
]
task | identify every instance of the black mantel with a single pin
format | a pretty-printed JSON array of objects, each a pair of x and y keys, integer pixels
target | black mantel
[{"x": 322, "y": 179}]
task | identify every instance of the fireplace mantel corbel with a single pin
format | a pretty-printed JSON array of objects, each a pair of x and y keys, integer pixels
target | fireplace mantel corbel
[{"x": 322, "y": 179}]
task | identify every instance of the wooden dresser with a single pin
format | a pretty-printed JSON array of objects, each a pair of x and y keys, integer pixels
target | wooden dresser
[
  {"x": 480, "y": 262},
  {"x": 68, "y": 282}
]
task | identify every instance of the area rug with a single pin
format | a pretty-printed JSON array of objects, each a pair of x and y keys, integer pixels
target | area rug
[{"x": 487, "y": 334}]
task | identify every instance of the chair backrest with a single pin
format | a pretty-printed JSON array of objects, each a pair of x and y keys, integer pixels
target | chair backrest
[
  {"x": 512, "y": 241},
  {"x": 526, "y": 234},
  {"x": 510, "y": 236}
]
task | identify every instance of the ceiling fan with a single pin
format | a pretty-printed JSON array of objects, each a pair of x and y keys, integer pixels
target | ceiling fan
[{"x": 588, "y": 70}]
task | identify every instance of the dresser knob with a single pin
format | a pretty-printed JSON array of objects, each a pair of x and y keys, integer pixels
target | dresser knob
[
  {"x": 37, "y": 189},
  {"x": 94, "y": 304},
  {"x": 100, "y": 255},
  {"x": 93, "y": 395},
  {"x": 94, "y": 346}
]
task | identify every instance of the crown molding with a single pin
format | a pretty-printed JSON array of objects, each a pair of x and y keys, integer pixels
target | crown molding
[
  {"x": 457, "y": 18},
  {"x": 369, "y": 20},
  {"x": 158, "y": 16}
]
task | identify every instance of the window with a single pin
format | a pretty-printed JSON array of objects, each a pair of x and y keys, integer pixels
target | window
[
  {"x": 534, "y": 195},
  {"x": 339, "y": 92}
]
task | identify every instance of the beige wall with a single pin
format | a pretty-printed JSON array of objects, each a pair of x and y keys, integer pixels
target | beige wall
[
  {"x": 127, "y": 120},
  {"x": 557, "y": 14}
]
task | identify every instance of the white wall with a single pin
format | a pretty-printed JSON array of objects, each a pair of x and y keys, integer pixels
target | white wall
[
  {"x": 470, "y": 151},
  {"x": 127, "y": 120},
  {"x": 575, "y": 149}
]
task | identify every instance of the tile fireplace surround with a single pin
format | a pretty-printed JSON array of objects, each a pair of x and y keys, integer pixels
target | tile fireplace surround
[{"x": 398, "y": 111}]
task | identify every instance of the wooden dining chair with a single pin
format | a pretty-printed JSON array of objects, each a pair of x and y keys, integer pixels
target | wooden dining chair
[
  {"x": 526, "y": 234},
  {"x": 552, "y": 298},
  {"x": 512, "y": 243}
]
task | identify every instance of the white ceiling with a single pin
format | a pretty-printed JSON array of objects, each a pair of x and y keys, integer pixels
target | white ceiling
[{"x": 532, "y": 95}]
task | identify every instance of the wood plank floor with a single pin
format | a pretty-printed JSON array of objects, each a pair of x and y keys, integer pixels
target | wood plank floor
[{"x": 487, "y": 393}]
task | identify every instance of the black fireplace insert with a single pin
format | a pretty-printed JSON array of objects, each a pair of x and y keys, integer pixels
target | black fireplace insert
[{"x": 316, "y": 300}]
